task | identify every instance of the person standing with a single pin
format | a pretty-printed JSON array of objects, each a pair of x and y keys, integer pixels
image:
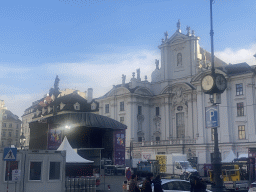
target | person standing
[
  {"x": 146, "y": 186},
  {"x": 157, "y": 184},
  {"x": 133, "y": 187}
]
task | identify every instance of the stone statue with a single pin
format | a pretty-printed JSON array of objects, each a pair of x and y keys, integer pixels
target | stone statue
[
  {"x": 133, "y": 74},
  {"x": 157, "y": 63},
  {"x": 179, "y": 59},
  {"x": 146, "y": 77},
  {"x": 123, "y": 79},
  {"x": 193, "y": 33},
  {"x": 188, "y": 30},
  {"x": 178, "y": 25},
  {"x": 166, "y": 35}
]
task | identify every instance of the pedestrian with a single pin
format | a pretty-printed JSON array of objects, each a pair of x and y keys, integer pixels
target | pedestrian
[
  {"x": 133, "y": 187},
  {"x": 146, "y": 186},
  {"x": 200, "y": 185},
  {"x": 157, "y": 184}
]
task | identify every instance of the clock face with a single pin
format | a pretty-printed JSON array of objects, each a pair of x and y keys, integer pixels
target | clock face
[
  {"x": 221, "y": 82},
  {"x": 207, "y": 83}
]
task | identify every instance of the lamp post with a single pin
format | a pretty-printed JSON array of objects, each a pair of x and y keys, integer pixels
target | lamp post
[{"x": 22, "y": 140}]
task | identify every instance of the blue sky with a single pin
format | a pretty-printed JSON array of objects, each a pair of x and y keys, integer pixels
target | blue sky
[{"x": 91, "y": 43}]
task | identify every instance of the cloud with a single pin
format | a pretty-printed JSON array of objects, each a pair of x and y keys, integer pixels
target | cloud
[
  {"x": 238, "y": 56},
  {"x": 99, "y": 72}
]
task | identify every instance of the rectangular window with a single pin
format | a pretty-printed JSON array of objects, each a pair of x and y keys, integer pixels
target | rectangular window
[
  {"x": 122, "y": 106},
  {"x": 212, "y": 134},
  {"x": 121, "y": 119},
  {"x": 139, "y": 110},
  {"x": 180, "y": 125},
  {"x": 10, "y": 133},
  {"x": 157, "y": 138},
  {"x": 241, "y": 132},
  {"x": 139, "y": 139},
  {"x": 157, "y": 111},
  {"x": 17, "y": 133},
  {"x": 239, "y": 89},
  {"x": 107, "y": 108},
  {"x": 4, "y": 134},
  {"x": 4, "y": 124},
  {"x": 13, "y": 165},
  {"x": 17, "y": 126},
  {"x": 240, "y": 109},
  {"x": 54, "y": 173},
  {"x": 10, "y": 125},
  {"x": 35, "y": 171}
]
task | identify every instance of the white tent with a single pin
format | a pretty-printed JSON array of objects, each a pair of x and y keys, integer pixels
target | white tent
[
  {"x": 231, "y": 156},
  {"x": 71, "y": 155}
]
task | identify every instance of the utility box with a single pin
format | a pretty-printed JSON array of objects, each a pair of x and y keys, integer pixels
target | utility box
[{"x": 39, "y": 170}]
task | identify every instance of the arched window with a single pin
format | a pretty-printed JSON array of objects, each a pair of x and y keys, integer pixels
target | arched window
[{"x": 179, "y": 59}]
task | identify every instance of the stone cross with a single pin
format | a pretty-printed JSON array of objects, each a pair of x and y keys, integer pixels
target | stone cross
[
  {"x": 188, "y": 30},
  {"x": 178, "y": 26}
]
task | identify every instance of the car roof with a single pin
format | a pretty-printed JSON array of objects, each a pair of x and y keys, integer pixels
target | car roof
[{"x": 171, "y": 180}]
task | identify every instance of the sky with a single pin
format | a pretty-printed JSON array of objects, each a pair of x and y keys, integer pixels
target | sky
[{"x": 91, "y": 43}]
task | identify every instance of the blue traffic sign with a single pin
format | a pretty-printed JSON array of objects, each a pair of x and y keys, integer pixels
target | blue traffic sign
[
  {"x": 212, "y": 116},
  {"x": 10, "y": 154}
]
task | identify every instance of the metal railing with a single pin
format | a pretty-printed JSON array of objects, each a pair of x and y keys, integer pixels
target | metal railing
[
  {"x": 177, "y": 141},
  {"x": 80, "y": 184}
]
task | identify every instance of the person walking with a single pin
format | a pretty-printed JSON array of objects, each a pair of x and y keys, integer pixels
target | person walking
[
  {"x": 146, "y": 186},
  {"x": 133, "y": 187},
  {"x": 157, "y": 184}
]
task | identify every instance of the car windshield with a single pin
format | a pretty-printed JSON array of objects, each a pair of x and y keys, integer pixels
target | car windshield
[
  {"x": 185, "y": 164},
  {"x": 177, "y": 185}
]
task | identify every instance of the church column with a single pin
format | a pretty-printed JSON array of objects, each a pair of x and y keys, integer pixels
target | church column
[{"x": 166, "y": 116}]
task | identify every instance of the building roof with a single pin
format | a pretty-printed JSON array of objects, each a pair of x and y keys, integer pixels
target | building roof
[
  {"x": 237, "y": 69},
  {"x": 10, "y": 116},
  {"x": 86, "y": 119}
]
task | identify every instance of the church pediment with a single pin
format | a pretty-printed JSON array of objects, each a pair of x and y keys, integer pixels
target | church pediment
[
  {"x": 118, "y": 91},
  {"x": 143, "y": 91}
]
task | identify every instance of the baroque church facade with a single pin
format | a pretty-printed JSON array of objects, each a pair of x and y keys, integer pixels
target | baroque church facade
[{"x": 167, "y": 115}]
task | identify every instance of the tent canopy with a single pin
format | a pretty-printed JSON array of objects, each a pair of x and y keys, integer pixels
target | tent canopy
[{"x": 71, "y": 155}]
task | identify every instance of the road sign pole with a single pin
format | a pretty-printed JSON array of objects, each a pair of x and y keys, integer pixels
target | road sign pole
[{"x": 8, "y": 174}]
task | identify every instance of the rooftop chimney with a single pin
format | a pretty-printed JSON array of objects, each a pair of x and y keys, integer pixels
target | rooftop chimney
[{"x": 89, "y": 95}]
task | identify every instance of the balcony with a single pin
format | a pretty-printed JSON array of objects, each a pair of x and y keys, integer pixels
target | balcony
[{"x": 175, "y": 141}]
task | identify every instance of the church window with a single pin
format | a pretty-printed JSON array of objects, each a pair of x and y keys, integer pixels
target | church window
[
  {"x": 122, "y": 106},
  {"x": 139, "y": 110},
  {"x": 157, "y": 138},
  {"x": 139, "y": 139},
  {"x": 179, "y": 108},
  {"x": 179, "y": 59},
  {"x": 157, "y": 111},
  {"x": 106, "y": 108},
  {"x": 241, "y": 132},
  {"x": 121, "y": 119},
  {"x": 240, "y": 109},
  {"x": 180, "y": 125},
  {"x": 239, "y": 89}
]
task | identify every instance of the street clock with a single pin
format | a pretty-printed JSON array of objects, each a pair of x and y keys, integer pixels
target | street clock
[{"x": 216, "y": 83}]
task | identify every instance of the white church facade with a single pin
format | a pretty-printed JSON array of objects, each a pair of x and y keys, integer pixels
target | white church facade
[{"x": 167, "y": 114}]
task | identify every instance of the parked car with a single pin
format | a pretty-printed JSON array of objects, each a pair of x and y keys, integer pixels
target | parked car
[
  {"x": 176, "y": 185},
  {"x": 252, "y": 187}
]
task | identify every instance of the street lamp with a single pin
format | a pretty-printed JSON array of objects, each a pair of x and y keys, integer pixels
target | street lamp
[{"x": 22, "y": 140}]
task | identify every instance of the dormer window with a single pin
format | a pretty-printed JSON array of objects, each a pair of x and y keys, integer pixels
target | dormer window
[
  {"x": 62, "y": 105},
  {"x": 37, "y": 112},
  {"x": 5, "y": 116},
  {"x": 77, "y": 106},
  {"x": 49, "y": 109},
  {"x": 93, "y": 106},
  {"x": 43, "y": 111}
]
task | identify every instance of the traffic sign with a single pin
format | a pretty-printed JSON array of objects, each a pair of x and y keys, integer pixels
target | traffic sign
[
  {"x": 212, "y": 116},
  {"x": 10, "y": 154},
  {"x": 16, "y": 175}
]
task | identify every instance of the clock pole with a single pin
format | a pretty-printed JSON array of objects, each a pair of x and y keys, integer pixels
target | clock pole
[{"x": 216, "y": 160}]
